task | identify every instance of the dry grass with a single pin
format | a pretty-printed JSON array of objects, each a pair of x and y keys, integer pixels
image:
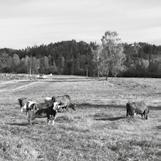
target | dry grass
[{"x": 97, "y": 131}]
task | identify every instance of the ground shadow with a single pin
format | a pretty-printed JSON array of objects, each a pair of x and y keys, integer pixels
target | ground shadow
[
  {"x": 106, "y": 117},
  {"x": 85, "y": 105},
  {"x": 109, "y": 119},
  {"x": 21, "y": 123},
  {"x": 159, "y": 127},
  {"x": 154, "y": 107}
]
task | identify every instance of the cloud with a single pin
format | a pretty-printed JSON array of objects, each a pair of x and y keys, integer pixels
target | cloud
[{"x": 30, "y": 22}]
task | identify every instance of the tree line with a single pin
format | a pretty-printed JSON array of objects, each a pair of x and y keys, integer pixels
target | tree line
[{"x": 110, "y": 58}]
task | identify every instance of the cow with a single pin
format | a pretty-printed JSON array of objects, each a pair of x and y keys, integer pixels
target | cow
[
  {"x": 22, "y": 101},
  {"x": 38, "y": 110},
  {"x": 137, "y": 108},
  {"x": 62, "y": 102}
]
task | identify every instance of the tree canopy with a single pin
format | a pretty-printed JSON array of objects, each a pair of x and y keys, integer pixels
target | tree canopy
[{"x": 111, "y": 58}]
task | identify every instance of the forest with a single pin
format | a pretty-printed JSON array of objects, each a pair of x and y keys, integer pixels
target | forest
[{"x": 78, "y": 58}]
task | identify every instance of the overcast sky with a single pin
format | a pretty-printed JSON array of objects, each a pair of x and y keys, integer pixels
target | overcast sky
[{"x": 33, "y": 22}]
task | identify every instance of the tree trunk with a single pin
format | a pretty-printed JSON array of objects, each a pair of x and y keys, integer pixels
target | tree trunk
[
  {"x": 30, "y": 71},
  {"x": 106, "y": 77},
  {"x": 87, "y": 72},
  {"x": 98, "y": 75},
  {"x": 107, "y": 74}
]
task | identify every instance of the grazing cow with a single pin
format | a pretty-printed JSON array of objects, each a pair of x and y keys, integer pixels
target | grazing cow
[
  {"x": 137, "y": 108},
  {"x": 22, "y": 101},
  {"x": 38, "y": 110},
  {"x": 62, "y": 102}
]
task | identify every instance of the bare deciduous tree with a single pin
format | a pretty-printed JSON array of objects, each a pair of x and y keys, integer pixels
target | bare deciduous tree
[{"x": 112, "y": 55}]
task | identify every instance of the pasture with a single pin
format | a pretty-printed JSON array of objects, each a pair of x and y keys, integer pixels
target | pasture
[{"x": 96, "y": 131}]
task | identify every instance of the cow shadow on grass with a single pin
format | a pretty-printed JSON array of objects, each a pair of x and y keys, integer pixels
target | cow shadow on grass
[
  {"x": 154, "y": 107},
  {"x": 106, "y": 117},
  {"x": 21, "y": 123},
  {"x": 88, "y": 105},
  {"x": 159, "y": 127}
]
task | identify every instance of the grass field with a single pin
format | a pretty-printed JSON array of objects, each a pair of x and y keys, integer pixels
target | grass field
[{"x": 97, "y": 131}]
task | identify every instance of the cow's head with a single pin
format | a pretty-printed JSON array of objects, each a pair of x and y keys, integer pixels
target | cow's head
[
  {"x": 22, "y": 101},
  {"x": 53, "y": 99},
  {"x": 73, "y": 106},
  {"x": 26, "y": 105},
  {"x": 56, "y": 106}
]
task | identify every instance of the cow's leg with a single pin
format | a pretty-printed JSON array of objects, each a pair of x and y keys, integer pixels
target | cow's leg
[
  {"x": 49, "y": 122},
  {"x": 54, "y": 117},
  {"x": 66, "y": 108},
  {"x": 29, "y": 117},
  {"x": 127, "y": 113},
  {"x": 53, "y": 122},
  {"x": 73, "y": 107},
  {"x": 146, "y": 116},
  {"x": 48, "y": 119},
  {"x": 142, "y": 115},
  {"x": 30, "y": 122},
  {"x": 132, "y": 115}
]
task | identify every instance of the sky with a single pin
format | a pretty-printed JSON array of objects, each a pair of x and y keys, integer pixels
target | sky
[{"x": 34, "y": 22}]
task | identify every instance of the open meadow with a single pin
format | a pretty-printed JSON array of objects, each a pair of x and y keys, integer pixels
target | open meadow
[{"x": 97, "y": 131}]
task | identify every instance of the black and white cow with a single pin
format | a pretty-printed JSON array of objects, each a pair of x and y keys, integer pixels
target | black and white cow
[
  {"x": 62, "y": 102},
  {"x": 137, "y": 108},
  {"x": 38, "y": 110},
  {"x": 22, "y": 101}
]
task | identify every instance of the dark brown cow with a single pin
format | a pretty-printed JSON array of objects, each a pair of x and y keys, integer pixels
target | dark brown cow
[
  {"x": 137, "y": 108},
  {"x": 62, "y": 102},
  {"x": 38, "y": 110}
]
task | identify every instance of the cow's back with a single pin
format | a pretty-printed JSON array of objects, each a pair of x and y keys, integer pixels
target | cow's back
[
  {"x": 140, "y": 107},
  {"x": 45, "y": 105},
  {"x": 63, "y": 100}
]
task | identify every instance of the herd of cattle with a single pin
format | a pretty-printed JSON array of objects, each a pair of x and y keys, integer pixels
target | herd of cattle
[
  {"x": 48, "y": 108},
  {"x": 52, "y": 105}
]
